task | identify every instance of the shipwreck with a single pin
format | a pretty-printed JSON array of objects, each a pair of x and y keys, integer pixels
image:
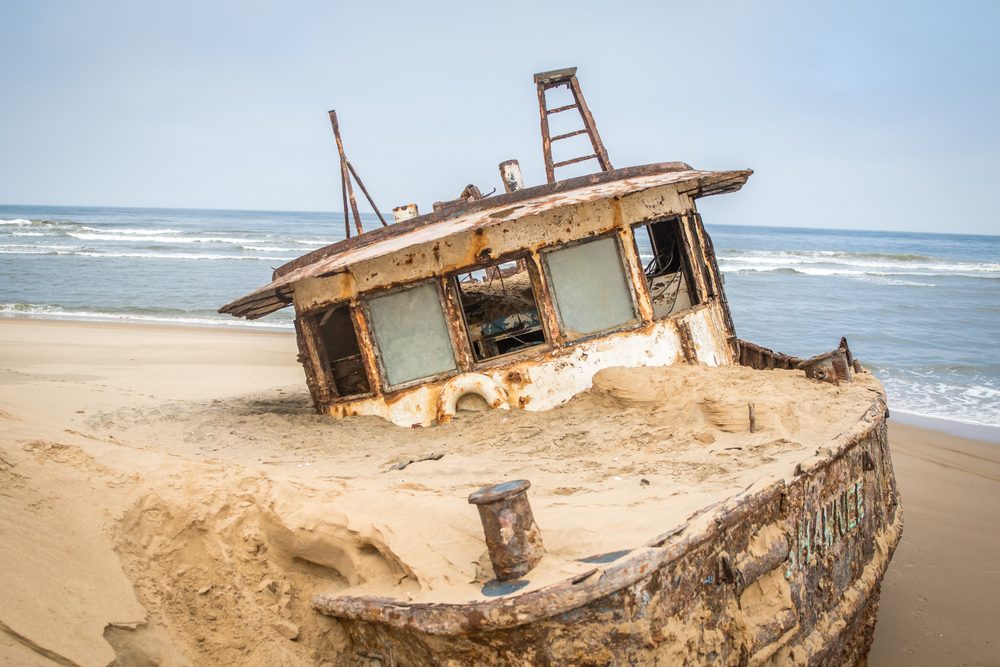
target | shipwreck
[{"x": 515, "y": 301}]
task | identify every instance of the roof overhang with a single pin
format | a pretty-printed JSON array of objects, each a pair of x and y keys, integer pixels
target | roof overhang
[{"x": 460, "y": 216}]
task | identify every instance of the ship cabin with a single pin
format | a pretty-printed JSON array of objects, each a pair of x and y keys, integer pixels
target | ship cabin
[{"x": 511, "y": 301}]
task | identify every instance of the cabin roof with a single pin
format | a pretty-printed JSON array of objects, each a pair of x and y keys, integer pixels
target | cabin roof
[{"x": 459, "y": 216}]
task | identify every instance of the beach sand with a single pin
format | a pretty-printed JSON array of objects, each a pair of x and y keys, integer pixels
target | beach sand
[{"x": 167, "y": 494}]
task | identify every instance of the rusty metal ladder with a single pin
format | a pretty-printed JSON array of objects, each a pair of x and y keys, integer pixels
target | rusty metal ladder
[{"x": 567, "y": 77}]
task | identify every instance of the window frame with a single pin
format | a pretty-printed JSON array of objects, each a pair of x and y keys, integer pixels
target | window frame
[
  {"x": 537, "y": 291},
  {"x": 685, "y": 261},
  {"x": 616, "y": 235},
  {"x": 363, "y": 306},
  {"x": 310, "y": 320}
]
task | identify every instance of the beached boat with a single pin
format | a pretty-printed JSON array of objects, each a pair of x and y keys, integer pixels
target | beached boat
[{"x": 515, "y": 302}]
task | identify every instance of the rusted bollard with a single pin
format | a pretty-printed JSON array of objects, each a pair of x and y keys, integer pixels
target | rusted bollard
[{"x": 512, "y": 536}]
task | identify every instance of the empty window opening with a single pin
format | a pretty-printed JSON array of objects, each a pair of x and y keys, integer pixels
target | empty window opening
[
  {"x": 500, "y": 309},
  {"x": 661, "y": 250},
  {"x": 340, "y": 344},
  {"x": 410, "y": 328},
  {"x": 590, "y": 288}
]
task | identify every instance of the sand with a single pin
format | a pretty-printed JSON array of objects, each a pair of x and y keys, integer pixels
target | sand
[{"x": 167, "y": 494}]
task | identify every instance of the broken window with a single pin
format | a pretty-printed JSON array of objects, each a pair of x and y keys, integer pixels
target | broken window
[
  {"x": 500, "y": 309},
  {"x": 412, "y": 334},
  {"x": 589, "y": 287},
  {"x": 661, "y": 250},
  {"x": 339, "y": 342}
]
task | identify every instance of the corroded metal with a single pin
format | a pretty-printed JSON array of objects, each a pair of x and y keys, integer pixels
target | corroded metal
[
  {"x": 545, "y": 81},
  {"x": 785, "y": 572},
  {"x": 831, "y": 366},
  {"x": 538, "y": 377},
  {"x": 530, "y": 201},
  {"x": 510, "y": 174},
  {"x": 404, "y": 213},
  {"x": 493, "y": 394},
  {"x": 821, "y": 539},
  {"x": 346, "y": 172},
  {"x": 762, "y": 358},
  {"x": 513, "y": 539}
]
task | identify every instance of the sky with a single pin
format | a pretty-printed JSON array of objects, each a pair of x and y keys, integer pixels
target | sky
[{"x": 852, "y": 114}]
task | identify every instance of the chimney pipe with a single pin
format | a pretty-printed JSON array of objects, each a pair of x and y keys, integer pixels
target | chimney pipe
[
  {"x": 401, "y": 213},
  {"x": 510, "y": 174}
]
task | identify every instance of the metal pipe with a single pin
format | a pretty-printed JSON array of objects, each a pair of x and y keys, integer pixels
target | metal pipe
[
  {"x": 512, "y": 536},
  {"x": 510, "y": 174},
  {"x": 344, "y": 169},
  {"x": 367, "y": 196},
  {"x": 405, "y": 212},
  {"x": 343, "y": 192}
]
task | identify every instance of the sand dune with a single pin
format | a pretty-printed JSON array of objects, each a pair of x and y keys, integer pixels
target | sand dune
[{"x": 168, "y": 495}]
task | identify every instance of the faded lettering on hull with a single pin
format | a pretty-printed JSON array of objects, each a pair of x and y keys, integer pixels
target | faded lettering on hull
[{"x": 820, "y": 529}]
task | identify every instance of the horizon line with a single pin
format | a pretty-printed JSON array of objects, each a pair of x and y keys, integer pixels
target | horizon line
[{"x": 340, "y": 214}]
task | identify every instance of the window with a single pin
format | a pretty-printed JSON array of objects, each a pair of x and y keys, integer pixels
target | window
[
  {"x": 589, "y": 287},
  {"x": 339, "y": 342},
  {"x": 412, "y": 334},
  {"x": 500, "y": 309},
  {"x": 661, "y": 250}
]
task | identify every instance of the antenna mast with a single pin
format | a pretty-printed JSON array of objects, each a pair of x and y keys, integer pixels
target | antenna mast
[{"x": 346, "y": 172}]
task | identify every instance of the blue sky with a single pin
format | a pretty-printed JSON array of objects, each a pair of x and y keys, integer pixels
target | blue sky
[{"x": 859, "y": 115}]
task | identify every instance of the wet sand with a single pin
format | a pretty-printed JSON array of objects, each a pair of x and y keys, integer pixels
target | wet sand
[
  {"x": 153, "y": 477},
  {"x": 941, "y": 596}
]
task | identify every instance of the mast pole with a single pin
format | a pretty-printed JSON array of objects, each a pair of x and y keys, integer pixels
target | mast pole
[{"x": 344, "y": 169}]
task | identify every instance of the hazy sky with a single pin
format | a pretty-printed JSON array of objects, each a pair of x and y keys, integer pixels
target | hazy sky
[{"x": 853, "y": 114}]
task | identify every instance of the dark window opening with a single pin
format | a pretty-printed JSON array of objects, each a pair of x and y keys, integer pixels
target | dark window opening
[
  {"x": 500, "y": 309},
  {"x": 661, "y": 250},
  {"x": 340, "y": 343}
]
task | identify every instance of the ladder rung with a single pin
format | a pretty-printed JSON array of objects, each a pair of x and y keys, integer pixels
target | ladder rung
[
  {"x": 568, "y": 135},
  {"x": 574, "y": 160},
  {"x": 558, "y": 109}
]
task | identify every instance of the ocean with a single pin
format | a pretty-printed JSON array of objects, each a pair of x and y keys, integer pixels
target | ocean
[{"x": 921, "y": 310}]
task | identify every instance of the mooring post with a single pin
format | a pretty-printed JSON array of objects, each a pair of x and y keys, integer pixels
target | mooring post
[{"x": 512, "y": 536}]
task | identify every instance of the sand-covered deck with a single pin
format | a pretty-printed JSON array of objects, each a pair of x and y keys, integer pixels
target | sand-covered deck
[{"x": 169, "y": 492}]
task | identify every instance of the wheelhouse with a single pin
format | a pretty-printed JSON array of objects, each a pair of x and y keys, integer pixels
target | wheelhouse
[{"x": 514, "y": 301}]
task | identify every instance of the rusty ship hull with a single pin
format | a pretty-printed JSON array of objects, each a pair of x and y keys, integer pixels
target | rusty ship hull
[
  {"x": 393, "y": 323},
  {"x": 785, "y": 573}
]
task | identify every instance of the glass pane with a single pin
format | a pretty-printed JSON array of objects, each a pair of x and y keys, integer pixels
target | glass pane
[
  {"x": 590, "y": 288},
  {"x": 412, "y": 334}
]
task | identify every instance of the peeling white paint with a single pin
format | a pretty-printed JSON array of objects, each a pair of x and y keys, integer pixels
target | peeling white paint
[{"x": 542, "y": 384}]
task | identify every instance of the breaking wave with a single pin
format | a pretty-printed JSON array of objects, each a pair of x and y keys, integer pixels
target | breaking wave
[
  {"x": 22, "y": 236},
  {"x": 174, "y": 255},
  {"x": 887, "y": 266},
  {"x": 140, "y": 315},
  {"x": 929, "y": 395},
  {"x": 132, "y": 238},
  {"x": 77, "y": 251}
]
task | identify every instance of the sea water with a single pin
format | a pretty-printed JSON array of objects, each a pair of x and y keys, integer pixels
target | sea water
[{"x": 921, "y": 310}]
